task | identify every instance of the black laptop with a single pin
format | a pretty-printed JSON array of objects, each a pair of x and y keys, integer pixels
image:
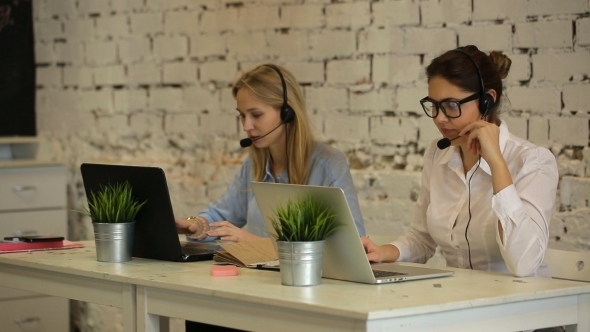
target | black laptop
[{"x": 155, "y": 234}]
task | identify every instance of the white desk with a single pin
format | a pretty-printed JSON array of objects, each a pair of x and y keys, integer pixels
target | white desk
[
  {"x": 255, "y": 300},
  {"x": 76, "y": 274},
  {"x": 468, "y": 301}
]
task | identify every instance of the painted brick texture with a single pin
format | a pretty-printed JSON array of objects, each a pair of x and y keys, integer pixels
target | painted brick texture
[{"x": 149, "y": 82}]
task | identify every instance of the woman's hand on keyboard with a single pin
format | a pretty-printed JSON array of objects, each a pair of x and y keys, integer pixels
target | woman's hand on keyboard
[
  {"x": 194, "y": 227},
  {"x": 226, "y": 231}
]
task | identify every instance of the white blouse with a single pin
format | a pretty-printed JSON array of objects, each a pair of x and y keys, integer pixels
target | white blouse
[{"x": 447, "y": 196}]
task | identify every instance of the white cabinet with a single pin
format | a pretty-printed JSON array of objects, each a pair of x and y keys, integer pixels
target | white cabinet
[{"x": 33, "y": 201}]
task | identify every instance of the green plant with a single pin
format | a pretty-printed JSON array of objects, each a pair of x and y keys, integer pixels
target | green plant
[
  {"x": 302, "y": 220},
  {"x": 112, "y": 204}
]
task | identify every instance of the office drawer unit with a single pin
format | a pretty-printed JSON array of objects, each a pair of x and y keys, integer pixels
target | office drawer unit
[{"x": 33, "y": 202}]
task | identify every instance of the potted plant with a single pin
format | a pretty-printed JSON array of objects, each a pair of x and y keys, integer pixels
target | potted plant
[
  {"x": 112, "y": 210},
  {"x": 302, "y": 227}
]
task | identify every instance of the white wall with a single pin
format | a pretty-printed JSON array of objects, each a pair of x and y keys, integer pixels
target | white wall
[{"x": 149, "y": 81}]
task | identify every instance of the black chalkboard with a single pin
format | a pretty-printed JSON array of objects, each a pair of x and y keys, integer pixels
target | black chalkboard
[{"x": 17, "y": 69}]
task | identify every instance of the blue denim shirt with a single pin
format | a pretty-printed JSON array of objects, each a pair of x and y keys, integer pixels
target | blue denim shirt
[{"x": 238, "y": 205}]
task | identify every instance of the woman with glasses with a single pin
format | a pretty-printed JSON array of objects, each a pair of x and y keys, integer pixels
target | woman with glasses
[{"x": 486, "y": 196}]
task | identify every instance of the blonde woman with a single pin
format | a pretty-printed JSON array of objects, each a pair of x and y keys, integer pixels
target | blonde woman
[{"x": 282, "y": 149}]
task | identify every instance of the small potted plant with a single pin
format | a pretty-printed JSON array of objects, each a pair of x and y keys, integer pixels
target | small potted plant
[
  {"x": 302, "y": 227},
  {"x": 112, "y": 210}
]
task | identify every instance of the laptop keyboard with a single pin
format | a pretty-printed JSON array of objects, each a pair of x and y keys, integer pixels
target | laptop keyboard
[
  {"x": 381, "y": 274},
  {"x": 195, "y": 251}
]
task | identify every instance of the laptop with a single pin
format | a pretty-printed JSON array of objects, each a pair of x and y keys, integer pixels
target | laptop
[
  {"x": 344, "y": 254},
  {"x": 155, "y": 235}
]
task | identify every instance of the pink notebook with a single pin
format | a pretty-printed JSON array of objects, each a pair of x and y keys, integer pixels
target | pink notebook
[{"x": 10, "y": 246}]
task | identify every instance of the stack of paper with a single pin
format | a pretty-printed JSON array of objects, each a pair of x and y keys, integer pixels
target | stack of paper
[{"x": 256, "y": 254}]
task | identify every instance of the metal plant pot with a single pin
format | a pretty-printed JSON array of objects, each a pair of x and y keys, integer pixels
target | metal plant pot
[
  {"x": 301, "y": 262},
  {"x": 114, "y": 241}
]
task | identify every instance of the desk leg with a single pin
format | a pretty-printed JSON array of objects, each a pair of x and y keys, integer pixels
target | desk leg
[
  {"x": 129, "y": 309},
  {"x": 583, "y": 316},
  {"x": 146, "y": 322}
]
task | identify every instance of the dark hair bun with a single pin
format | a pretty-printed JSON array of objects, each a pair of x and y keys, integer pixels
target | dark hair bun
[{"x": 501, "y": 62}]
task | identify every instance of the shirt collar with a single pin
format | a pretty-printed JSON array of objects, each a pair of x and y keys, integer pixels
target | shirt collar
[
  {"x": 268, "y": 174},
  {"x": 269, "y": 177},
  {"x": 452, "y": 155}
]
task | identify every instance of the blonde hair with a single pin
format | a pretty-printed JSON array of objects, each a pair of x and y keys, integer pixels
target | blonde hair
[{"x": 265, "y": 85}]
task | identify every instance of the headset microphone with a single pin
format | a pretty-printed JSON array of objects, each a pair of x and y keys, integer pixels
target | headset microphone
[
  {"x": 444, "y": 143},
  {"x": 246, "y": 142}
]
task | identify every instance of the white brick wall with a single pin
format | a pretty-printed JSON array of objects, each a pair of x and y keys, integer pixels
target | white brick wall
[
  {"x": 348, "y": 71},
  {"x": 344, "y": 15},
  {"x": 247, "y": 46},
  {"x": 218, "y": 21},
  {"x": 343, "y": 127},
  {"x": 125, "y": 100},
  {"x": 48, "y": 30},
  {"x": 520, "y": 70},
  {"x": 149, "y": 81},
  {"x": 436, "y": 12},
  {"x": 583, "y": 31},
  {"x": 561, "y": 67},
  {"x": 218, "y": 71},
  {"x": 49, "y": 76},
  {"x": 393, "y": 130},
  {"x": 134, "y": 49},
  {"x": 70, "y": 53},
  {"x": 170, "y": 48},
  {"x": 486, "y": 37},
  {"x": 180, "y": 73},
  {"x": 543, "y": 34},
  {"x": 81, "y": 29},
  {"x": 170, "y": 99},
  {"x": 539, "y": 130},
  {"x": 293, "y": 45},
  {"x": 112, "y": 26},
  {"x": 378, "y": 100},
  {"x": 550, "y": 7},
  {"x": 110, "y": 75},
  {"x": 101, "y": 53},
  {"x": 77, "y": 76},
  {"x": 331, "y": 44},
  {"x": 569, "y": 131},
  {"x": 381, "y": 40},
  {"x": 181, "y": 22},
  {"x": 326, "y": 99},
  {"x": 258, "y": 18},
  {"x": 576, "y": 97},
  {"x": 200, "y": 99},
  {"x": 397, "y": 69},
  {"x": 144, "y": 74},
  {"x": 535, "y": 99},
  {"x": 396, "y": 12},
  {"x": 302, "y": 16},
  {"x": 435, "y": 40},
  {"x": 148, "y": 23},
  {"x": 307, "y": 72}
]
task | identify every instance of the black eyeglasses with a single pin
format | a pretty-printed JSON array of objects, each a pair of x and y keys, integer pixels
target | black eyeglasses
[{"x": 450, "y": 108}]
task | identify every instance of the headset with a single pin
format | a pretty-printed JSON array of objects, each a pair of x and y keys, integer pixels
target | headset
[
  {"x": 287, "y": 113},
  {"x": 486, "y": 101},
  {"x": 486, "y": 104}
]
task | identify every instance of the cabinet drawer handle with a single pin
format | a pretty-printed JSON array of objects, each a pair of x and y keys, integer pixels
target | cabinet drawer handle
[
  {"x": 19, "y": 321},
  {"x": 23, "y": 188}
]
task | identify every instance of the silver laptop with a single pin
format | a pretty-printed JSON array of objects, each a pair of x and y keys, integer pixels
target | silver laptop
[{"x": 344, "y": 254}]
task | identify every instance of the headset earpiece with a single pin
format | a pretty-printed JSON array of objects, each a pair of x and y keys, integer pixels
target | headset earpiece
[
  {"x": 486, "y": 101},
  {"x": 486, "y": 105},
  {"x": 287, "y": 113}
]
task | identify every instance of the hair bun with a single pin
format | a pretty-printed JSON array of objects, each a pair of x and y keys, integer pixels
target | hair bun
[{"x": 501, "y": 62}]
